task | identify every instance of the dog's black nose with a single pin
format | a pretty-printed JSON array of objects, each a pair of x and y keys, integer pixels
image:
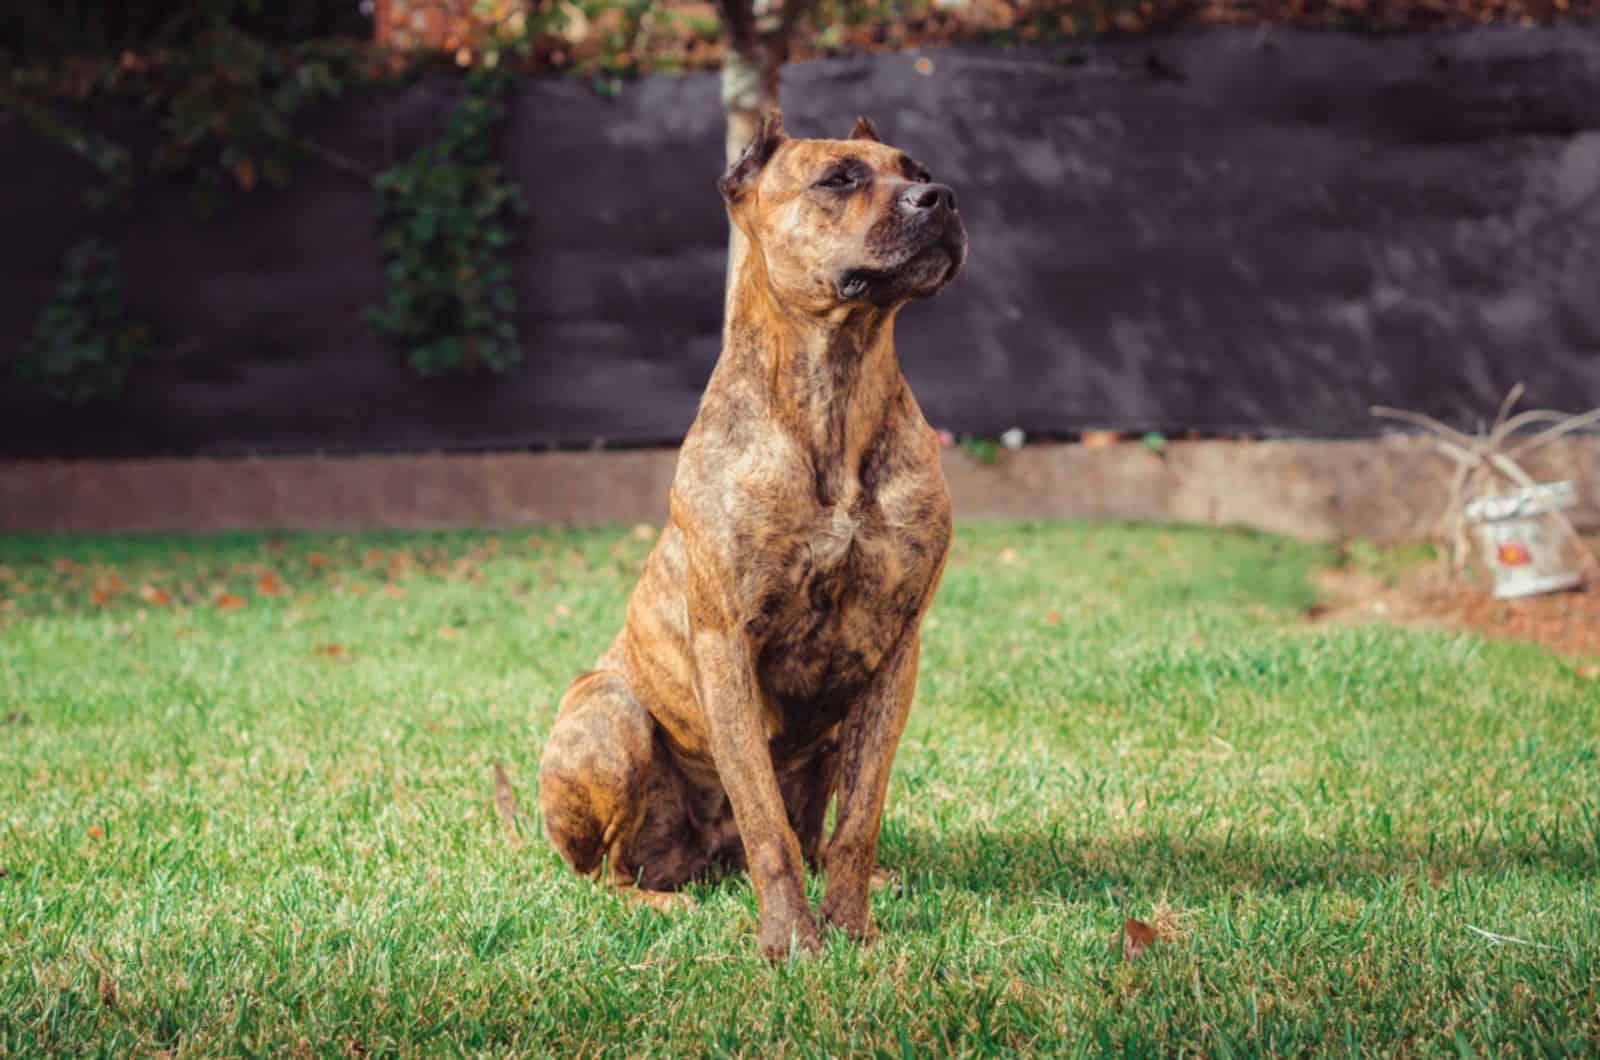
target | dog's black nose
[{"x": 929, "y": 197}]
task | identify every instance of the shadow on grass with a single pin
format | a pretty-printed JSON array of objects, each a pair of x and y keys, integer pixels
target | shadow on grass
[{"x": 1019, "y": 863}]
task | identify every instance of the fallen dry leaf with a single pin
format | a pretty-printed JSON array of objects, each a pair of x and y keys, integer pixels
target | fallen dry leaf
[
  {"x": 331, "y": 651},
  {"x": 1052, "y": 618},
  {"x": 316, "y": 560},
  {"x": 229, "y": 602},
  {"x": 505, "y": 800},
  {"x": 108, "y": 991},
  {"x": 1135, "y": 937},
  {"x": 1098, "y": 439},
  {"x": 534, "y": 542},
  {"x": 1590, "y": 671},
  {"x": 1008, "y": 555},
  {"x": 393, "y": 590},
  {"x": 269, "y": 585},
  {"x": 98, "y": 597},
  {"x": 154, "y": 597},
  {"x": 96, "y": 832},
  {"x": 449, "y": 632},
  {"x": 563, "y": 610}
]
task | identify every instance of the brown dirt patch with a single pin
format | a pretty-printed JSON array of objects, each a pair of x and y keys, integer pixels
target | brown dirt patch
[{"x": 1428, "y": 595}]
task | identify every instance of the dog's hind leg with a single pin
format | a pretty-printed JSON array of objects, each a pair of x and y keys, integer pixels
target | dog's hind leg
[{"x": 611, "y": 796}]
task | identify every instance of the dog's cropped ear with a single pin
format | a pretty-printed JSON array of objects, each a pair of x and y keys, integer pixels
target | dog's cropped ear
[
  {"x": 865, "y": 130},
  {"x": 757, "y": 153}
]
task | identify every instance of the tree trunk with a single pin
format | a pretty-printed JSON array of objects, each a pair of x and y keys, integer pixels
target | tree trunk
[
  {"x": 749, "y": 90},
  {"x": 757, "y": 34}
]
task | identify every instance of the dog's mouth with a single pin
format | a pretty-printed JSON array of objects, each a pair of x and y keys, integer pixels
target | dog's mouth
[{"x": 922, "y": 272}]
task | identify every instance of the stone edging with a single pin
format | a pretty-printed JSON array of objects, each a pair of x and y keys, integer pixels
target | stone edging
[{"x": 1389, "y": 489}]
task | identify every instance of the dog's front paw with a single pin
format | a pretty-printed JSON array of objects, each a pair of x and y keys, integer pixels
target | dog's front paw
[
  {"x": 850, "y": 916},
  {"x": 784, "y": 936}
]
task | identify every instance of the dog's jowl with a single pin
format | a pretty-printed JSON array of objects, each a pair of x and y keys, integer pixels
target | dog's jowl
[{"x": 769, "y": 653}]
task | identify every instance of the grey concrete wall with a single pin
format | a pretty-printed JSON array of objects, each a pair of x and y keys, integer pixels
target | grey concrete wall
[{"x": 1249, "y": 231}]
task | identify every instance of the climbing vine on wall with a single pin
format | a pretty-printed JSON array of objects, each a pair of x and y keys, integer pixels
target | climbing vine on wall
[
  {"x": 223, "y": 107},
  {"x": 445, "y": 214},
  {"x": 83, "y": 346}
]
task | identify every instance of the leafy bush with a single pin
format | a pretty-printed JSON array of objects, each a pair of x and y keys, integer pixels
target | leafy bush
[
  {"x": 82, "y": 346},
  {"x": 444, "y": 215},
  {"x": 49, "y": 30}
]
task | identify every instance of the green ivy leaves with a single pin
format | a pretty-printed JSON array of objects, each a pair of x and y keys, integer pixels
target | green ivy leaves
[
  {"x": 82, "y": 347},
  {"x": 445, "y": 213}
]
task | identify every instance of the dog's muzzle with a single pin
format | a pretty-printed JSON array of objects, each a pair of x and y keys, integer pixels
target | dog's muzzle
[{"x": 924, "y": 225}]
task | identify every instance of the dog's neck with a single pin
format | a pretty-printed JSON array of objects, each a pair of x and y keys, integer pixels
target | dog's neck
[{"x": 829, "y": 381}]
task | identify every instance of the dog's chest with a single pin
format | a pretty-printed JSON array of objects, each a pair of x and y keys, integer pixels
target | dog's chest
[{"x": 856, "y": 578}]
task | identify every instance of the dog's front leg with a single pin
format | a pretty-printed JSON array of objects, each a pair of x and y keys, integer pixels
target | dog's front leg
[
  {"x": 725, "y": 684},
  {"x": 866, "y": 753}
]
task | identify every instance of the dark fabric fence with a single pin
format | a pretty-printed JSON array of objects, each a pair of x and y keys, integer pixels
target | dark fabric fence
[{"x": 1257, "y": 231}]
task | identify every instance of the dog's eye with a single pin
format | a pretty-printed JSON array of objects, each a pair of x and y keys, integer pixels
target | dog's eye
[
  {"x": 924, "y": 177},
  {"x": 838, "y": 179}
]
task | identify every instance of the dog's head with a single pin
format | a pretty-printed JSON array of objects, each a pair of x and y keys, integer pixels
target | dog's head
[{"x": 844, "y": 221}]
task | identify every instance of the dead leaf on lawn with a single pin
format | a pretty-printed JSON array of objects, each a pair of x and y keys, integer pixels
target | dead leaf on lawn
[
  {"x": 108, "y": 990},
  {"x": 316, "y": 560},
  {"x": 1590, "y": 671},
  {"x": 449, "y": 632},
  {"x": 98, "y": 597},
  {"x": 1008, "y": 555},
  {"x": 15, "y": 717},
  {"x": 96, "y": 832},
  {"x": 505, "y": 800},
  {"x": 154, "y": 597},
  {"x": 269, "y": 585},
  {"x": 1135, "y": 937},
  {"x": 563, "y": 610},
  {"x": 1052, "y": 618},
  {"x": 330, "y": 651},
  {"x": 394, "y": 590},
  {"x": 229, "y": 602}
]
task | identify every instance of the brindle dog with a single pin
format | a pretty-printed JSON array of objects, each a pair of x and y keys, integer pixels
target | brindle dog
[{"x": 770, "y": 649}]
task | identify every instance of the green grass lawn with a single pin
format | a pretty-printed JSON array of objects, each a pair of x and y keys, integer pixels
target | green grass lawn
[{"x": 269, "y": 827}]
